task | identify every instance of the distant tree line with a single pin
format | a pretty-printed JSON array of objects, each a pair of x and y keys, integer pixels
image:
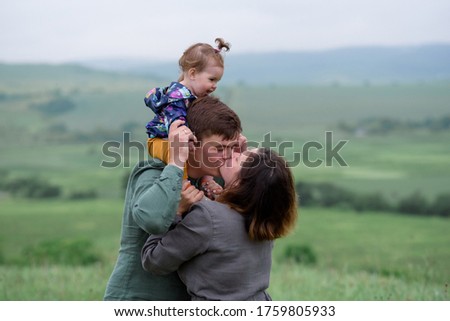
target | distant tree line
[
  {"x": 30, "y": 187},
  {"x": 384, "y": 125},
  {"x": 54, "y": 106},
  {"x": 35, "y": 187},
  {"x": 310, "y": 194},
  {"x": 329, "y": 195},
  {"x": 4, "y": 96}
]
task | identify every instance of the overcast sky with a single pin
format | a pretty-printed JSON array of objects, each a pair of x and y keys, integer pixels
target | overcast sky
[{"x": 67, "y": 30}]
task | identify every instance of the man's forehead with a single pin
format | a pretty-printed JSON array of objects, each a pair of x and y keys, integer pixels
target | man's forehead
[{"x": 220, "y": 141}]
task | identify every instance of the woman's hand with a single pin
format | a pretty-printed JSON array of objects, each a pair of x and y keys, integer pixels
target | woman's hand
[
  {"x": 189, "y": 196},
  {"x": 179, "y": 137}
]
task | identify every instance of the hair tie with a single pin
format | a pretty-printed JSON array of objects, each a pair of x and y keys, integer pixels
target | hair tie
[{"x": 216, "y": 50}]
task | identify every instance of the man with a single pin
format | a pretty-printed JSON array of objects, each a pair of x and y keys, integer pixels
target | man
[{"x": 156, "y": 196}]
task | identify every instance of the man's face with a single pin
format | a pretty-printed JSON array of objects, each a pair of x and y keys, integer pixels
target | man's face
[{"x": 211, "y": 154}]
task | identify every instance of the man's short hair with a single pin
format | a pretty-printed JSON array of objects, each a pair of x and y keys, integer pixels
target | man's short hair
[{"x": 209, "y": 116}]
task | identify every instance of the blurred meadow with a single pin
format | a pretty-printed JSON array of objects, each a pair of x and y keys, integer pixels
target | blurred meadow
[{"x": 376, "y": 228}]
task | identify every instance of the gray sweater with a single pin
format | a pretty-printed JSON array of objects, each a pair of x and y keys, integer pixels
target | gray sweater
[{"x": 213, "y": 254}]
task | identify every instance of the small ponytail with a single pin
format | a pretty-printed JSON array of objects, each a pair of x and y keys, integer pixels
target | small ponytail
[
  {"x": 221, "y": 44},
  {"x": 198, "y": 55}
]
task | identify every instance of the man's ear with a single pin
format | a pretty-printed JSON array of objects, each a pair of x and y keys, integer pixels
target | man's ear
[{"x": 193, "y": 145}]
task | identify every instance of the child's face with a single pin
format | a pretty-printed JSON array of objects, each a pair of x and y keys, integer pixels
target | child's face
[{"x": 205, "y": 82}]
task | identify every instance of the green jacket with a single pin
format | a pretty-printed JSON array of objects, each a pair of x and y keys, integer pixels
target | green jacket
[{"x": 151, "y": 202}]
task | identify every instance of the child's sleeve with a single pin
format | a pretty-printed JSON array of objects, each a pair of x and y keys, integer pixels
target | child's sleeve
[
  {"x": 155, "y": 99},
  {"x": 175, "y": 110}
]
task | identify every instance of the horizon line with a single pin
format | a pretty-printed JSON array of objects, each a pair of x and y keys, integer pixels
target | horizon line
[{"x": 130, "y": 58}]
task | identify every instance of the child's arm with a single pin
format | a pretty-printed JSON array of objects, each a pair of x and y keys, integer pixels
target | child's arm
[
  {"x": 211, "y": 188},
  {"x": 175, "y": 110},
  {"x": 178, "y": 97}
]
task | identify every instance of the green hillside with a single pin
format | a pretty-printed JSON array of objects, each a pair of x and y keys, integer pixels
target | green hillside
[
  {"x": 56, "y": 120},
  {"x": 104, "y": 105}
]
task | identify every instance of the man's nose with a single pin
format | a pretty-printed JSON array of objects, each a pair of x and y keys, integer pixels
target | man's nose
[
  {"x": 227, "y": 153},
  {"x": 232, "y": 154}
]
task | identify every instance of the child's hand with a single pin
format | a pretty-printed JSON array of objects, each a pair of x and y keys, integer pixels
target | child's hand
[
  {"x": 210, "y": 187},
  {"x": 189, "y": 196}
]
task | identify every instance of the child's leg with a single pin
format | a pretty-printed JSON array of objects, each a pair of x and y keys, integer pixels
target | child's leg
[
  {"x": 159, "y": 148},
  {"x": 211, "y": 188}
]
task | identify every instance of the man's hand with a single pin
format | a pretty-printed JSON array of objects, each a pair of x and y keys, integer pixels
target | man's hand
[
  {"x": 189, "y": 196},
  {"x": 179, "y": 137}
]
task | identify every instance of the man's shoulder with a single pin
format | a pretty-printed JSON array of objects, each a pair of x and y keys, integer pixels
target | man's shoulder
[
  {"x": 145, "y": 167},
  {"x": 149, "y": 163}
]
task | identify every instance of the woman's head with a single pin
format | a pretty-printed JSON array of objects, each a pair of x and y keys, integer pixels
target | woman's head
[
  {"x": 260, "y": 186},
  {"x": 202, "y": 67}
]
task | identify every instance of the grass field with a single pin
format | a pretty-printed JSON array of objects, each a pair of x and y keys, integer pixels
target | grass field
[
  {"x": 375, "y": 256},
  {"x": 360, "y": 256}
]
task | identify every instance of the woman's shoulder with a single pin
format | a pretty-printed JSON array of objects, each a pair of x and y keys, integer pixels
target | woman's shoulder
[
  {"x": 215, "y": 210},
  {"x": 210, "y": 205}
]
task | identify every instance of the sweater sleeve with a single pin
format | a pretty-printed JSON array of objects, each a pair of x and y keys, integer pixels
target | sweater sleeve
[
  {"x": 155, "y": 199},
  {"x": 163, "y": 254}
]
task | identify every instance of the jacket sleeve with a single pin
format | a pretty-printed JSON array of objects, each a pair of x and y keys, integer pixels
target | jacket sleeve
[
  {"x": 163, "y": 254},
  {"x": 155, "y": 199},
  {"x": 174, "y": 111}
]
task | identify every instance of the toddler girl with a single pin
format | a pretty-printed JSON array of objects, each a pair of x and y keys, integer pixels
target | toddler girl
[{"x": 202, "y": 68}]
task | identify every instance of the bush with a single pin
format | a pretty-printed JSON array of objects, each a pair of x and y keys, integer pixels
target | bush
[
  {"x": 83, "y": 195},
  {"x": 323, "y": 194},
  {"x": 3, "y": 178},
  {"x": 55, "y": 106},
  {"x": 327, "y": 195},
  {"x": 305, "y": 193},
  {"x": 62, "y": 252},
  {"x": 31, "y": 187},
  {"x": 371, "y": 202},
  {"x": 300, "y": 254},
  {"x": 416, "y": 203},
  {"x": 441, "y": 206},
  {"x": 331, "y": 195}
]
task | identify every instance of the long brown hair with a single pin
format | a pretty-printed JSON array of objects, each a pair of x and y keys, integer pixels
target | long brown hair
[{"x": 264, "y": 193}]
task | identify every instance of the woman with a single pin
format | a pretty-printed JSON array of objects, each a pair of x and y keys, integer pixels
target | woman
[{"x": 222, "y": 249}]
